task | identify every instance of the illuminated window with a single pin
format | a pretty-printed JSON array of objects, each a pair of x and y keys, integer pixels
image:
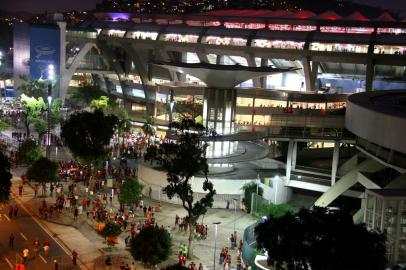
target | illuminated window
[
  {"x": 180, "y": 38},
  {"x": 388, "y": 49},
  {"x": 394, "y": 31},
  {"x": 225, "y": 41},
  {"x": 280, "y": 27},
  {"x": 277, "y": 44},
  {"x": 339, "y": 47},
  {"x": 136, "y": 108},
  {"x": 360, "y": 30},
  {"x": 203, "y": 23},
  {"x": 244, "y": 25},
  {"x": 332, "y": 29},
  {"x": 304, "y": 28},
  {"x": 115, "y": 33},
  {"x": 142, "y": 35}
]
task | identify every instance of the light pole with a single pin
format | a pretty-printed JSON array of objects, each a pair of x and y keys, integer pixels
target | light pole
[
  {"x": 235, "y": 215},
  {"x": 215, "y": 245},
  {"x": 48, "y": 142}
]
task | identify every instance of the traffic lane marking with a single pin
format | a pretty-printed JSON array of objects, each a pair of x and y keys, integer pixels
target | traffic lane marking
[
  {"x": 8, "y": 262},
  {"x": 23, "y": 236},
  {"x": 42, "y": 258},
  {"x": 8, "y": 219}
]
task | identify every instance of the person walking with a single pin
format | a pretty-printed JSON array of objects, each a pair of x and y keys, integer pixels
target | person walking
[
  {"x": 74, "y": 257},
  {"x": 132, "y": 267},
  {"x": 56, "y": 266},
  {"x": 11, "y": 241},
  {"x": 26, "y": 254},
  {"x": 15, "y": 211}
]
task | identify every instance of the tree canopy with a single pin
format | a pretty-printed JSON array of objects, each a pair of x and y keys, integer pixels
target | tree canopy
[
  {"x": 182, "y": 160},
  {"x": 111, "y": 229},
  {"x": 87, "y": 134},
  {"x": 152, "y": 245},
  {"x": 43, "y": 171},
  {"x": 86, "y": 93},
  {"x": 131, "y": 192},
  {"x": 34, "y": 88},
  {"x": 28, "y": 151},
  {"x": 32, "y": 108},
  {"x": 5, "y": 178},
  {"x": 320, "y": 239}
]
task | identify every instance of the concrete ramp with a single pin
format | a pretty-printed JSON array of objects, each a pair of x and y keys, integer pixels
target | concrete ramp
[{"x": 348, "y": 180}]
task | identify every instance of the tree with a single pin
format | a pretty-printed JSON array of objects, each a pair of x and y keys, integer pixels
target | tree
[
  {"x": 124, "y": 123},
  {"x": 28, "y": 151},
  {"x": 43, "y": 171},
  {"x": 181, "y": 160},
  {"x": 248, "y": 189},
  {"x": 86, "y": 93},
  {"x": 111, "y": 231},
  {"x": 131, "y": 192},
  {"x": 152, "y": 245},
  {"x": 148, "y": 128},
  {"x": 4, "y": 125},
  {"x": 34, "y": 88},
  {"x": 5, "y": 178},
  {"x": 87, "y": 134},
  {"x": 320, "y": 239},
  {"x": 101, "y": 103},
  {"x": 276, "y": 210},
  {"x": 32, "y": 109}
]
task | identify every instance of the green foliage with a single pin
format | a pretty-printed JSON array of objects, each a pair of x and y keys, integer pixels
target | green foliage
[
  {"x": 34, "y": 88},
  {"x": 181, "y": 161},
  {"x": 4, "y": 125},
  {"x": 321, "y": 239},
  {"x": 5, "y": 178},
  {"x": 101, "y": 103},
  {"x": 43, "y": 171},
  {"x": 131, "y": 192},
  {"x": 40, "y": 126},
  {"x": 148, "y": 127},
  {"x": 124, "y": 123},
  {"x": 33, "y": 108},
  {"x": 86, "y": 93},
  {"x": 87, "y": 134},
  {"x": 56, "y": 111},
  {"x": 152, "y": 245},
  {"x": 111, "y": 229},
  {"x": 276, "y": 210},
  {"x": 28, "y": 151},
  {"x": 248, "y": 189}
]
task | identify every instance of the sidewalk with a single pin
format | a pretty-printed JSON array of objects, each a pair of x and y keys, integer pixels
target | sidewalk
[{"x": 81, "y": 234}]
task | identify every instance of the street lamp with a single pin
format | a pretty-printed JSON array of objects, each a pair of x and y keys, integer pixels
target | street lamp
[
  {"x": 48, "y": 142},
  {"x": 215, "y": 244},
  {"x": 235, "y": 216}
]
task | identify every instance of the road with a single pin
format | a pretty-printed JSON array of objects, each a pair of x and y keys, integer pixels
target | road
[{"x": 26, "y": 230}]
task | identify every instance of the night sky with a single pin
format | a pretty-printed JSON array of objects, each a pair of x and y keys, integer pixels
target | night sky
[{"x": 40, "y": 6}]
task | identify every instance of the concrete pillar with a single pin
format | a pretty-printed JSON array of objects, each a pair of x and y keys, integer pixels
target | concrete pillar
[
  {"x": 307, "y": 70},
  {"x": 264, "y": 79},
  {"x": 334, "y": 166},
  {"x": 251, "y": 63},
  {"x": 289, "y": 160},
  {"x": 314, "y": 73},
  {"x": 369, "y": 76},
  {"x": 62, "y": 65},
  {"x": 294, "y": 155}
]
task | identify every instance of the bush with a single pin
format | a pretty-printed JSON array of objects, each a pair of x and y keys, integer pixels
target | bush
[
  {"x": 43, "y": 170},
  {"x": 111, "y": 229},
  {"x": 28, "y": 151},
  {"x": 276, "y": 210},
  {"x": 152, "y": 245}
]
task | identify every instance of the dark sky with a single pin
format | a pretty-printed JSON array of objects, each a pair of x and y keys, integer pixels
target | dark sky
[{"x": 63, "y": 5}]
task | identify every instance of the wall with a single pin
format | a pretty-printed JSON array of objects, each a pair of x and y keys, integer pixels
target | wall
[{"x": 226, "y": 189}]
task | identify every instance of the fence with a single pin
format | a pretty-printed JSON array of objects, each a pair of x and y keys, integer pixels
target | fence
[{"x": 257, "y": 203}]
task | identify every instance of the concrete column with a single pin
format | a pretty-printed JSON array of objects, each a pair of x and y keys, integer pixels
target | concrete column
[
  {"x": 307, "y": 70},
  {"x": 251, "y": 62},
  {"x": 294, "y": 155},
  {"x": 369, "y": 76},
  {"x": 334, "y": 166},
  {"x": 314, "y": 73},
  {"x": 264, "y": 79},
  {"x": 289, "y": 160}
]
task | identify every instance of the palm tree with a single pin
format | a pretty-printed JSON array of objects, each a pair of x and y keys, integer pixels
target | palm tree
[{"x": 148, "y": 128}]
